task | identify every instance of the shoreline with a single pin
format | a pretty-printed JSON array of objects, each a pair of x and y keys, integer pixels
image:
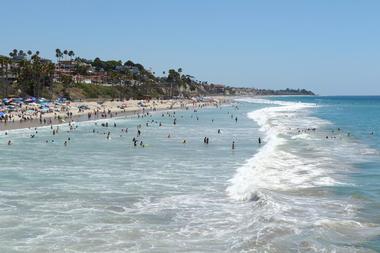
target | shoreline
[{"x": 107, "y": 110}]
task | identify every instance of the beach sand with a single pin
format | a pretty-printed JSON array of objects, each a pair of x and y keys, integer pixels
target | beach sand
[{"x": 101, "y": 110}]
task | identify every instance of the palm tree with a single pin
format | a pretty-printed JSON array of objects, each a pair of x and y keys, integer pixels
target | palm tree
[
  {"x": 65, "y": 52},
  {"x": 58, "y": 54},
  {"x": 21, "y": 53},
  {"x": 71, "y": 54},
  {"x": 29, "y": 53},
  {"x": 13, "y": 53}
]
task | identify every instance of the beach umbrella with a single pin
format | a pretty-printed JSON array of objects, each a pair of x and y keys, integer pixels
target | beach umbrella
[
  {"x": 30, "y": 111},
  {"x": 11, "y": 107}
]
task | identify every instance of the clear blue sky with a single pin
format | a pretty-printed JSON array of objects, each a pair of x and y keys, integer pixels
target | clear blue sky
[{"x": 331, "y": 47}]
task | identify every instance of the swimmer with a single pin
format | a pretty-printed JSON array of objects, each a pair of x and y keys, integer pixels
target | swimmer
[{"x": 9, "y": 142}]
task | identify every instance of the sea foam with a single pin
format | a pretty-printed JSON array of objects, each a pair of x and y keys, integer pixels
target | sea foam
[{"x": 274, "y": 167}]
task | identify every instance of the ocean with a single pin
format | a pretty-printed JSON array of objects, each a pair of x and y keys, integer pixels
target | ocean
[{"x": 312, "y": 185}]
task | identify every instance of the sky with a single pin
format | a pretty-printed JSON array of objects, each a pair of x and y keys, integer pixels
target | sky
[{"x": 331, "y": 47}]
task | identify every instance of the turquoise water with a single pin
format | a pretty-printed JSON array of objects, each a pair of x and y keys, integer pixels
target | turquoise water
[{"x": 297, "y": 191}]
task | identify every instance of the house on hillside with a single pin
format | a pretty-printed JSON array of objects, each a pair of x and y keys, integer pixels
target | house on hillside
[
  {"x": 133, "y": 69},
  {"x": 218, "y": 88}
]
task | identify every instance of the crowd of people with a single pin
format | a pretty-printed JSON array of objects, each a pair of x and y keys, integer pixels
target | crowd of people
[{"x": 103, "y": 126}]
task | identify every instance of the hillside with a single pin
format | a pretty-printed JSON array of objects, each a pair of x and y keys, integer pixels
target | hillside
[{"x": 28, "y": 74}]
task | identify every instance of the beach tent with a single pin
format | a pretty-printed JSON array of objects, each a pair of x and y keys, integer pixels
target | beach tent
[
  {"x": 42, "y": 101},
  {"x": 11, "y": 108},
  {"x": 18, "y": 100},
  {"x": 5, "y": 101},
  {"x": 30, "y": 100}
]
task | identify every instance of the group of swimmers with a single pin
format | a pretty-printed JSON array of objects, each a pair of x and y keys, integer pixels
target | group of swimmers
[{"x": 136, "y": 140}]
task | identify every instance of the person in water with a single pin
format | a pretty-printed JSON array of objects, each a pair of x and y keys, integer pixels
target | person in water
[
  {"x": 259, "y": 140},
  {"x": 233, "y": 145}
]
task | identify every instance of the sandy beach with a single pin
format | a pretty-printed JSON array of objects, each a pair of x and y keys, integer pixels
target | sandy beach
[{"x": 92, "y": 110}]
